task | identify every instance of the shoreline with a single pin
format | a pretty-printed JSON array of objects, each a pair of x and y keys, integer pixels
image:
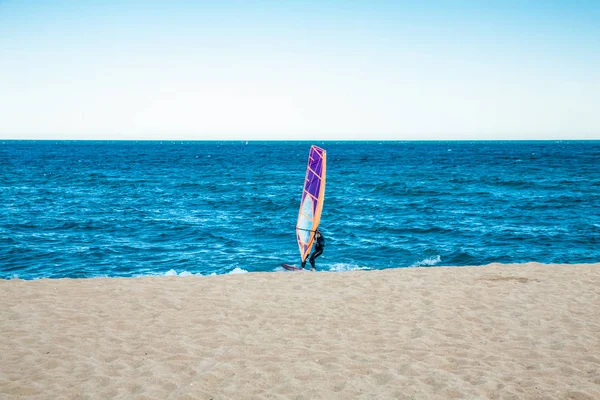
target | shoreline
[
  {"x": 501, "y": 330},
  {"x": 183, "y": 273}
]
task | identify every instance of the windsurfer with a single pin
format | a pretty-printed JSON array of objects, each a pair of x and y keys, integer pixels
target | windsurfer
[{"x": 319, "y": 247}]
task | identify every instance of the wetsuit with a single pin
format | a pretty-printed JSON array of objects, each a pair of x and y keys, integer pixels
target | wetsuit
[{"x": 318, "y": 249}]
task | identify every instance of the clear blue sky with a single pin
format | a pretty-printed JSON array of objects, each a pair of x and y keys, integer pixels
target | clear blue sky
[{"x": 300, "y": 70}]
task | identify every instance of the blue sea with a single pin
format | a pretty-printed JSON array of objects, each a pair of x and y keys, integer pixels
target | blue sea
[{"x": 82, "y": 209}]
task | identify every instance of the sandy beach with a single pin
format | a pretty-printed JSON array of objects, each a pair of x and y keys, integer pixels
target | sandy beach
[{"x": 501, "y": 331}]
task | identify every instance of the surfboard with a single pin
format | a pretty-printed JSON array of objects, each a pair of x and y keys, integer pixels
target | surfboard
[{"x": 291, "y": 267}]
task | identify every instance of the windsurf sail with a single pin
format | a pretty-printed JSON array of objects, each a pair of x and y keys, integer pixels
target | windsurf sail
[{"x": 311, "y": 204}]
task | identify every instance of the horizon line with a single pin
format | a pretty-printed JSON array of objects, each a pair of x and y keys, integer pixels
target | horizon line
[{"x": 301, "y": 140}]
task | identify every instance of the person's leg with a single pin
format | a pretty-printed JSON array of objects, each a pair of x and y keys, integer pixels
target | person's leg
[{"x": 314, "y": 256}]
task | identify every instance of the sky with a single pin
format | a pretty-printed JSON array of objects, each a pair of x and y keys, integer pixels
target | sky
[{"x": 311, "y": 70}]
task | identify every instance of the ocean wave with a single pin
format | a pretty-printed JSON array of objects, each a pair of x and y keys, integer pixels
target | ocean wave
[
  {"x": 237, "y": 270},
  {"x": 8, "y": 240},
  {"x": 428, "y": 262},
  {"x": 172, "y": 272},
  {"x": 462, "y": 257},
  {"x": 344, "y": 267}
]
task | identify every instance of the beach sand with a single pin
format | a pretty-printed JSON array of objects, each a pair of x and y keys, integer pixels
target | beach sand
[{"x": 523, "y": 331}]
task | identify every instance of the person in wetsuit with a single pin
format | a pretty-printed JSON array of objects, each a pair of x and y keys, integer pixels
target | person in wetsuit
[{"x": 319, "y": 247}]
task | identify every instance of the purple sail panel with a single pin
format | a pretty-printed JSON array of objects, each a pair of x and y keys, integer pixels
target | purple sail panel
[{"x": 313, "y": 175}]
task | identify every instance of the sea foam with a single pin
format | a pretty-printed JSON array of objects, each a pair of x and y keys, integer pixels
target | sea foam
[{"x": 428, "y": 262}]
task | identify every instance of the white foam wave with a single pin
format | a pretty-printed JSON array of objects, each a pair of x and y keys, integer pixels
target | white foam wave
[
  {"x": 343, "y": 267},
  {"x": 238, "y": 270},
  {"x": 172, "y": 272},
  {"x": 428, "y": 262}
]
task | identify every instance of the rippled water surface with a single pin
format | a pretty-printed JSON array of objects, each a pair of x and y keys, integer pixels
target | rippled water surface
[{"x": 87, "y": 209}]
